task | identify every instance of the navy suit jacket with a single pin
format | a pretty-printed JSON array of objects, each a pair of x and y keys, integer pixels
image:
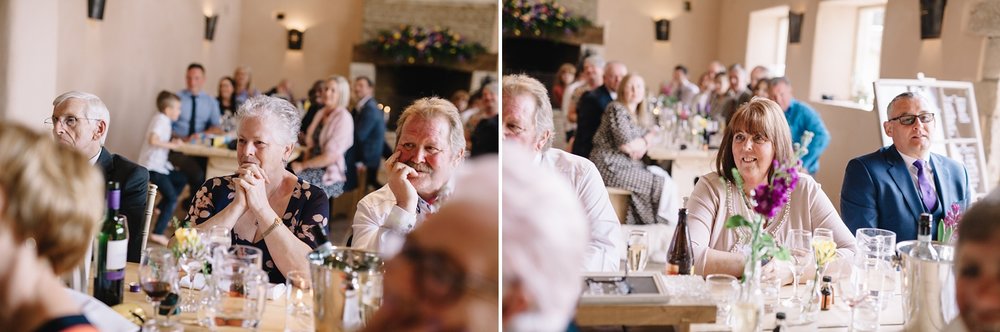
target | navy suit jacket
[
  {"x": 369, "y": 139},
  {"x": 589, "y": 110},
  {"x": 879, "y": 192},
  {"x": 134, "y": 180}
]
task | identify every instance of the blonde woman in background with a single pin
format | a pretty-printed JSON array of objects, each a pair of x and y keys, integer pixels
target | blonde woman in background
[
  {"x": 619, "y": 145},
  {"x": 328, "y": 139}
]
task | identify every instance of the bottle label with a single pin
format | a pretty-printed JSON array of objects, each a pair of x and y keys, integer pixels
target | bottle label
[
  {"x": 674, "y": 269},
  {"x": 117, "y": 251}
]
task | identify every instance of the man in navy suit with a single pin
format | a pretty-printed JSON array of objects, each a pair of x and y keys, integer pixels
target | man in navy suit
[
  {"x": 591, "y": 107},
  {"x": 369, "y": 135},
  {"x": 891, "y": 187}
]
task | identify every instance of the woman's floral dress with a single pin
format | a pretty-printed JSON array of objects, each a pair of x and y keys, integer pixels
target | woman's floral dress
[{"x": 307, "y": 208}]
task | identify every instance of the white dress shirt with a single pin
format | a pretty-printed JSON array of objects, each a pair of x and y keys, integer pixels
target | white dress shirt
[
  {"x": 605, "y": 247},
  {"x": 380, "y": 225}
]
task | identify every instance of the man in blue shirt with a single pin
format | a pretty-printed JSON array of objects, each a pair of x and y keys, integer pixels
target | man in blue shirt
[
  {"x": 199, "y": 114},
  {"x": 801, "y": 118}
]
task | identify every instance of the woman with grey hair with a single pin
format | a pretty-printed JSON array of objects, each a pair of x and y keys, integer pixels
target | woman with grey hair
[{"x": 264, "y": 205}]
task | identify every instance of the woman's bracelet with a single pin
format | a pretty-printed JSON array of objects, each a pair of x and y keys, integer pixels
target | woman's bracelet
[{"x": 277, "y": 221}]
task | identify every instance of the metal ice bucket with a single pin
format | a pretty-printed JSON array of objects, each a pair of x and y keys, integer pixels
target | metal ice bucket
[
  {"x": 928, "y": 288},
  {"x": 337, "y": 276}
]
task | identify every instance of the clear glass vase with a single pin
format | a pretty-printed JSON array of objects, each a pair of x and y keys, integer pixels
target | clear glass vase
[
  {"x": 748, "y": 311},
  {"x": 812, "y": 300}
]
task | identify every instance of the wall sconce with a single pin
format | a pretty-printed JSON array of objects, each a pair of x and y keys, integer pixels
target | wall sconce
[
  {"x": 931, "y": 17},
  {"x": 95, "y": 9},
  {"x": 795, "y": 27},
  {"x": 663, "y": 30},
  {"x": 295, "y": 39},
  {"x": 210, "y": 22}
]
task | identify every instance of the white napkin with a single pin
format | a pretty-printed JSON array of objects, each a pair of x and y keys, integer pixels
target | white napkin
[
  {"x": 99, "y": 314},
  {"x": 199, "y": 282},
  {"x": 275, "y": 291}
]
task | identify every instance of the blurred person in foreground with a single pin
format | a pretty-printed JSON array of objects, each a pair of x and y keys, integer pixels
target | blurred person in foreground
[
  {"x": 264, "y": 205},
  {"x": 51, "y": 207},
  {"x": 527, "y": 118},
  {"x": 977, "y": 267},
  {"x": 430, "y": 146},
  {"x": 81, "y": 120},
  {"x": 445, "y": 278},
  {"x": 542, "y": 277},
  {"x": 756, "y": 137}
]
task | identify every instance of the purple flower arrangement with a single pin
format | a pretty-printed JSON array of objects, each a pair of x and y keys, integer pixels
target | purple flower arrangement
[
  {"x": 949, "y": 225},
  {"x": 412, "y": 44},
  {"x": 538, "y": 18}
]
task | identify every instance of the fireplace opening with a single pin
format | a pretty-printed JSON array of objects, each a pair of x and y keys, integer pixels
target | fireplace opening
[
  {"x": 538, "y": 58},
  {"x": 398, "y": 86}
]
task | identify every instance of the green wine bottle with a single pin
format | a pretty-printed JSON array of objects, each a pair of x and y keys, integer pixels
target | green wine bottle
[{"x": 112, "y": 248}]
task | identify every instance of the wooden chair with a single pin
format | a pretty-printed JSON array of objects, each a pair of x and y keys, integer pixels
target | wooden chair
[
  {"x": 619, "y": 201},
  {"x": 150, "y": 204}
]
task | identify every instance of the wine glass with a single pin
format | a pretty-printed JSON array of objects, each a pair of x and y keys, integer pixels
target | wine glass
[
  {"x": 638, "y": 245},
  {"x": 724, "y": 289},
  {"x": 248, "y": 254},
  {"x": 158, "y": 278},
  {"x": 192, "y": 261},
  {"x": 799, "y": 245}
]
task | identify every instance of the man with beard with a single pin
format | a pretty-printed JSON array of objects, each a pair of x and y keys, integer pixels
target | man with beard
[
  {"x": 430, "y": 145},
  {"x": 81, "y": 120}
]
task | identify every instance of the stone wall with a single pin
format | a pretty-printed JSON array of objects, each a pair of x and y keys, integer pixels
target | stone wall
[
  {"x": 585, "y": 8},
  {"x": 475, "y": 20}
]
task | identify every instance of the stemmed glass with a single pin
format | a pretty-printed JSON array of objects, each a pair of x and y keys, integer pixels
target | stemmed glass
[
  {"x": 724, "y": 289},
  {"x": 192, "y": 260},
  {"x": 158, "y": 278},
  {"x": 799, "y": 244}
]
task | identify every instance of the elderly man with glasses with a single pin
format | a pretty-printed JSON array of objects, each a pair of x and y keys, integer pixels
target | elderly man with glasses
[
  {"x": 891, "y": 187},
  {"x": 81, "y": 120}
]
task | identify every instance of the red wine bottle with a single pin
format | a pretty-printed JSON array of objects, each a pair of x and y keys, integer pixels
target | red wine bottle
[
  {"x": 679, "y": 255},
  {"x": 112, "y": 248}
]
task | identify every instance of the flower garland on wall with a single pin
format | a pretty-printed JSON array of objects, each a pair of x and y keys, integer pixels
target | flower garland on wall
[
  {"x": 412, "y": 44},
  {"x": 545, "y": 17}
]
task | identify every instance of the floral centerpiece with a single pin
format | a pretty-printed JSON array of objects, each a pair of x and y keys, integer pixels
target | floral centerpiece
[
  {"x": 429, "y": 45},
  {"x": 949, "y": 225},
  {"x": 545, "y": 17}
]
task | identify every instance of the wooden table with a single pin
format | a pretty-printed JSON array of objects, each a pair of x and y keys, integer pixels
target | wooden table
[
  {"x": 696, "y": 313},
  {"x": 221, "y": 161},
  {"x": 687, "y": 165},
  {"x": 272, "y": 320}
]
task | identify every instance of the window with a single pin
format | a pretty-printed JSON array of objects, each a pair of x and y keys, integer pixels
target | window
[
  {"x": 767, "y": 39},
  {"x": 868, "y": 51}
]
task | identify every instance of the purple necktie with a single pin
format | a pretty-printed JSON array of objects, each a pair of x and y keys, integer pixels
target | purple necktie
[{"x": 926, "y": 191}]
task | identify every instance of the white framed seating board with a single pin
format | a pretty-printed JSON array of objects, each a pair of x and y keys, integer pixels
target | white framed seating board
[{"x": 956, "y": 126}]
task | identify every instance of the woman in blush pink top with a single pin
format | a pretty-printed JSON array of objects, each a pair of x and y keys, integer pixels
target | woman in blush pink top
[
  {"x": 757, "y": 135},
  {"x": 327, "y": 139}
]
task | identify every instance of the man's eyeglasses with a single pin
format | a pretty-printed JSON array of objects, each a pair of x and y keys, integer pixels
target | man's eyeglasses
[
  {"x": 68, "y": 121},
  {"x": 439, "y": 278},
  {"x": 909, "y": 119}
]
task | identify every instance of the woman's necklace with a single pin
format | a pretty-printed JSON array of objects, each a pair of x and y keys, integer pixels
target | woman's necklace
[{"x": 745, "y": 208}]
